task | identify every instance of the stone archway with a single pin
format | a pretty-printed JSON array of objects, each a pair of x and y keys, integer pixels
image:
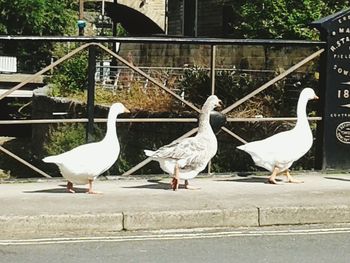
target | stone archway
[{"x": 134, "y": 20}]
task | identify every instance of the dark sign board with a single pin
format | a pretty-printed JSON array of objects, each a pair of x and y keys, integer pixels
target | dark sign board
[{"x": 335, "y": 76}]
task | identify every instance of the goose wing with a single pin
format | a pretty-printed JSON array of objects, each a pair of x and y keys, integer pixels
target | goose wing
[
  {"x": 281, "y": 149},
  {"x": 187, "y": 152},
  {"x": 92, "y": 158}
]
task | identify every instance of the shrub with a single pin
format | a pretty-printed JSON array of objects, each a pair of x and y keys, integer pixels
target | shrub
[
  {"x": 230, "y": 85},
  {"x": 64, "y": 137},
  {"x": 71, "y": 76}
]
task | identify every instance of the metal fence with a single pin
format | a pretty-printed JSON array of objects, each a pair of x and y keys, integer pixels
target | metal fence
[{"x": 93, "y": 43}]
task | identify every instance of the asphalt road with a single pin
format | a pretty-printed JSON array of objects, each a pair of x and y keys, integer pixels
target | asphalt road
[{"x": 316, "y": 244}]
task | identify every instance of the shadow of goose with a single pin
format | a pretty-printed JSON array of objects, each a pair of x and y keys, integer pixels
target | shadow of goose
[
  {"x": 155, "y": 184},
  {"x": 62, "y": 190},
  {"x": 253, "y": 179},
  {"x": 338, "y": 179}
]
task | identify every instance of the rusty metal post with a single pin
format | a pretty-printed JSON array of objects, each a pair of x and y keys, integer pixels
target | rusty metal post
[
  {"x": 212, "y": 68},
  {"x": 91, "y": 93},
  {"x": 81, "y": 17},
  {"x": 212, "y": 78}
]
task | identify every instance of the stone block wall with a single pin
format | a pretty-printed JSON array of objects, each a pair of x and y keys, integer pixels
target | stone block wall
[{"x": 242, "y": 57}]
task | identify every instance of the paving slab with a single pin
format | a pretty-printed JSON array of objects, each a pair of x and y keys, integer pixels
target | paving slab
[{"x": 136, "y": 203}]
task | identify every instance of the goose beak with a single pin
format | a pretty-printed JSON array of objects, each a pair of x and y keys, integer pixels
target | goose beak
[
  {"x": 126, "y": 110},
  {"x": 219, "y": 104},
  {"x": 316, "y": 97}
]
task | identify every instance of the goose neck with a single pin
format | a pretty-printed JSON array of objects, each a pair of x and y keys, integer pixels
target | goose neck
[
  {"x": 111, "y": 126},
  {"x": 301, "y": 112},
  {"x": 204, "y": 121}
]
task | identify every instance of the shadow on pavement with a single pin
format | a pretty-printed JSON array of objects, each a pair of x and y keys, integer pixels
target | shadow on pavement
[
  {"x": 156, "y": 184},
  {"x": 61, "y": 190},
  {"x": 253, "y": 179},
  {"x": 337, "y": 178}
]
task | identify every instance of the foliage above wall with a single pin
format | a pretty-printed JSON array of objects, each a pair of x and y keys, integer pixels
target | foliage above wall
[
  {"x": 36, "y": 17},
  {"x": 281, "y": 19},
  {"x": 39, "y": 18},
  {"x": 70, "y": 76}
]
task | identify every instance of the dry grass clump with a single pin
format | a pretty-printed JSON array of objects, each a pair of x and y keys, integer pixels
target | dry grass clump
[
  {"x": 252, "y": 108},
  {"x": 135, "y": 98}
]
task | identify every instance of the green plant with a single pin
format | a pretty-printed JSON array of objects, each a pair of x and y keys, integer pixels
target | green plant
[
  {"x": 134, "y": 98},
  {"x": 71, "y": 76},
  {"x": 38, "y": 18},
  {"x": 195, "y": 84},
  {"x": 230, "y": 85},
  {"x": 277, "y": 19},
  {"x": 64, "y": 137}
]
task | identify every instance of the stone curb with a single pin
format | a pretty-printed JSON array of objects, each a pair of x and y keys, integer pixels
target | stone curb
[
  {"x": 190, "y": 219},
  {"x": 304, "y": 215},
  {"x": 93, "y": 223},
  {"x": 61, "y": 224}
]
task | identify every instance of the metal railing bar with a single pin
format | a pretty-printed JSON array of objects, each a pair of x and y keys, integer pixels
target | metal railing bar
[
  {"x": 24, "y": 162},
  {"x": 100, "y": 120},
  {"x": 234, "y": 135},
  {"x": 240, "y": 70},
  {"x": 212, "y": 72},
  {"x": 263, "y": 119},
  {"x": 149, "y": 120},
  {"x": 137, "y": 167},
  {"x": 146, "y": 161},
  {"x": 274, "y": 80},
  {"x": 165, "y": 40}
]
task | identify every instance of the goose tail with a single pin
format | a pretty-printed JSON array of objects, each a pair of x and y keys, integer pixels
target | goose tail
[
  {"x": 242, "y": 147},
  {"x": 49, "y": 159},
  {"x": 149, "y": 153}
]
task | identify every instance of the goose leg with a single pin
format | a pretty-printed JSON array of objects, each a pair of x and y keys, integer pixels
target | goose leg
[
  {"x": 70, "y": 187},
  {"x": 291, "y": 179},
  {"x": 90, "y": 191},
  {"x": 175, "y": 180},
  {"x": 187, "y": 186},
  {"x": 272, "y": 178}
]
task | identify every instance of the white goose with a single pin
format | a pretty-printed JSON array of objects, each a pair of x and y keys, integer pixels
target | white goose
[
  {"x": 278, "y": 152},
  {"x": 84, "y": 163},
  {"x": 184, "y": 159}
]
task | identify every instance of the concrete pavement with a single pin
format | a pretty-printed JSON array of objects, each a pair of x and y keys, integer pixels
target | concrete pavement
[{"x": 43, "y": 208}]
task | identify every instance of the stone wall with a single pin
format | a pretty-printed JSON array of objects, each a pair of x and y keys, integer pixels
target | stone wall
[{"x": 242, "y": 57}]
